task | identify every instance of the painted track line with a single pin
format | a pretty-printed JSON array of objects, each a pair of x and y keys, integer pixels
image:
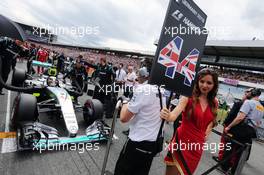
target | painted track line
[
  {"x": 8, "y": 144},
  {"x": 7, "y": 111}
]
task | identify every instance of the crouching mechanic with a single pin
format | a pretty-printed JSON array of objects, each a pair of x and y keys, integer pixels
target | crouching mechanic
[{"x": 143, "y": 115}]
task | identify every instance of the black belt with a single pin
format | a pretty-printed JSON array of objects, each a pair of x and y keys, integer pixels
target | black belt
[{"x": 146, "y": 147}]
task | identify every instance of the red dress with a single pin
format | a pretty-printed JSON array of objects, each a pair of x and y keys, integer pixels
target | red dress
[{"x": 191, "y": 138}]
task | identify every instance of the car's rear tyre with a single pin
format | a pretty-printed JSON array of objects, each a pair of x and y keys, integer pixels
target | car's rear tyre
[
  {"x": 92, "y": 110},
  {"x": 18, "y": 78}
]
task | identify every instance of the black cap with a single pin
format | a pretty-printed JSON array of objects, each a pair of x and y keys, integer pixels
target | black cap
[{"x": 256, "y": 92}]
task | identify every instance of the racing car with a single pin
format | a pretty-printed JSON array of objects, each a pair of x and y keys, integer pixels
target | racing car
[{"x": 52, "y": 95}]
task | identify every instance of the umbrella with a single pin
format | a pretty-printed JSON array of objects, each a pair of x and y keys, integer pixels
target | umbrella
[{"x": 10, "y": 29}]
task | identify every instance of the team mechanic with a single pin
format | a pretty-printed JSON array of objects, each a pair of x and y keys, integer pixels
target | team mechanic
[
  {"x": 103, "y": 89},
  {"x": 143, "y": 115},
  {"x": 77, "y": 73},
  {"x": 9, "y": 49}
]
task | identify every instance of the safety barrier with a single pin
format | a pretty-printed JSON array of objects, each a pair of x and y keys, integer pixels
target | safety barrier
[{"x": 244, "y": 149}]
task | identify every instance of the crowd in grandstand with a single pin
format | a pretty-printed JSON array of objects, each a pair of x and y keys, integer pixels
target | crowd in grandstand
[
  {"x": 93, "y": 55},
  {"x": 114, "y": 59},
  {"x": 241, "y": 75}
]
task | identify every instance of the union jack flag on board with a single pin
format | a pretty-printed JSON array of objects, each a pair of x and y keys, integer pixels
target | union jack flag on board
[{"x": 169, "y": 57}]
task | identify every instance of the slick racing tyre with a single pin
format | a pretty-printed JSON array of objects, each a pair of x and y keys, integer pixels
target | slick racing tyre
[
  {"x": 24, "y": 110},
  {"x": 92, "y": 110},
  {"x": 18, "y": 78}
]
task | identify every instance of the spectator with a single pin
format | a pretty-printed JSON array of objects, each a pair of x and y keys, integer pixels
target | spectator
[
  {"x": 120, "y": 77},
  {"x": 130, "y": 81}
]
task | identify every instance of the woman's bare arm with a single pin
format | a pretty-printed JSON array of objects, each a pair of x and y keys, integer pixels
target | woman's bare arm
[{"x": 172, "y": 116}]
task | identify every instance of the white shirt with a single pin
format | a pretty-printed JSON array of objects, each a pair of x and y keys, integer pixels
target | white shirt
[
  {"x": 120, "y": 76},
  {"x": 130, "y": 79},
  {"x": 145, "y": 104}
]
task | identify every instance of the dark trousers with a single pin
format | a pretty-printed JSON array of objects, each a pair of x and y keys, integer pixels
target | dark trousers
[
  {"x": 29, "y": 66},
  {"x": 6, "y": 68},
  {"x": 40, "y": 70},
  {"x": 128, "y": 92},
  {"x": 135, "y": 158},
  {"x": 80, "y": 82},
  {"x": 100, "y": 94},
  {"x": 14, "y": 61},
  {"x": 105, "y": 98},
  {"x": 118, "y": 87},
  {"x": 30, "y": 69},
  {"x": 233, "y": 162}
]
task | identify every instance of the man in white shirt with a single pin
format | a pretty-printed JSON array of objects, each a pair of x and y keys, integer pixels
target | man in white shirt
[
  {"x": 120, "y": 78},
  {"x": 130, "y": 81},
  {"x": 143, "y": 115}
]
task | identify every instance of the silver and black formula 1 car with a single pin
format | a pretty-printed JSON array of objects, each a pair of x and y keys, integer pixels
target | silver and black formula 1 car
[{"x": 51, "y": 95}]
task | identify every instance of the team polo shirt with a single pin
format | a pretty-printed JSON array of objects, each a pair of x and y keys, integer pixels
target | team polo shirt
[
  {"x": 145, "y": 104},
  {"x": 253, "y": 110}
]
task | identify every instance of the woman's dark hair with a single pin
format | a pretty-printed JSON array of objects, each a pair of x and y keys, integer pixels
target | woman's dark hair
[{"x": 211, "y": 97}]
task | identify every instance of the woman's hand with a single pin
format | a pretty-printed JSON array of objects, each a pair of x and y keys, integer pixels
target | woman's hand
[
  {"x": 227, "y": 129},
  {"x": 206, "y": 137},
  {"x": 165, "y": 114}
]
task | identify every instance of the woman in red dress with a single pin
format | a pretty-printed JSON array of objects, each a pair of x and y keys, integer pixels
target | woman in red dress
[{"x": 198, "y": 118}]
